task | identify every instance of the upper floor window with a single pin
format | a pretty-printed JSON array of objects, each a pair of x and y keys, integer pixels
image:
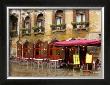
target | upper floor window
[
  {"x": 58, "y": 21},
  {"x": 13, "y": 21},
  {"x": 26, "y": 24},
  {"x": 40, "y": 20},
  {"x": 59, "y": 17},
  {"x": 39, "y": 28},
  {"x": 81, "y": 19}
]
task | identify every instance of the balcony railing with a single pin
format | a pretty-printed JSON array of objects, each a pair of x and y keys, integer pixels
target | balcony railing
[
  {"x": 26, "y": 31},
  {"x": 13, "y": 33},
  {"x": 80, "y": 25},
  {"x": 39, "y": 30},
  {"x": 58, "y": 28}
]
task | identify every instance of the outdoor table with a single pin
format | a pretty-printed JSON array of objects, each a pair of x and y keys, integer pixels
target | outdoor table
[
  {"x": 38, "y": 62},
  {"x": 55, "y": 63},
  {"x": 27, "y": 60}
]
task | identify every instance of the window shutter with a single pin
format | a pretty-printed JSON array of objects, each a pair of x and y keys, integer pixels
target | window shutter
[
  {"x": 63, "y": 16},
  {"x": 53, "y": 17},
  {"x": 87, "y": 15},
  {"x": 74, "y": 15}
]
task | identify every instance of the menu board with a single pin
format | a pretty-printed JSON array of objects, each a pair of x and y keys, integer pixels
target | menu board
[
  {"x": 76, "y": 59},
  {"x": 88, "y": 58}
]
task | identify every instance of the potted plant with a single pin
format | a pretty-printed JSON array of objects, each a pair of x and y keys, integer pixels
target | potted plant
[
  {"x": 34, "y": 28},
  {"x": 74, "y": 24},
  {"x": 53, "y": 25},
  {"x": 87, "y": 24},
  {"x": 25, "y": 31}
]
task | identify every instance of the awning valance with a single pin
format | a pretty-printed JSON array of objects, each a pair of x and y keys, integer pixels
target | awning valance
[{"x": 78, "y": 42}]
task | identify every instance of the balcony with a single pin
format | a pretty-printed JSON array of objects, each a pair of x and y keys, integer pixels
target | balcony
[
  {"x": 26, "y": 32},
  {"x": 39, "y": 30},
  {"x": 80, "y": 25},
  {"x": 13, "y": 33},
  {"x": 58, "y": 28}
]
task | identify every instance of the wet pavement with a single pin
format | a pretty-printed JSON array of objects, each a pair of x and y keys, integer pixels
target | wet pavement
[{"x": 18, "y": 70}]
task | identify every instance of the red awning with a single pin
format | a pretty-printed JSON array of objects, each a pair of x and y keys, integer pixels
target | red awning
[{"x": 78, "y": 42}]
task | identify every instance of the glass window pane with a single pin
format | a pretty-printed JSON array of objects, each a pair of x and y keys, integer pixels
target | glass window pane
[
  {"x": 83, "y": 18},
  {"x": 27, "y": 25},
  {"x": 39, "y": 24},
  {"x": 78, "y": 18},
  {"x": 58, "y": 21}
]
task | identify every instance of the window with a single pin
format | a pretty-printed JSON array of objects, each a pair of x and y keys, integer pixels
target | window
[
  {"x": 39, "y": 24},
  {"x": 13, "y": 21},
  {"x": 81, "y": 19},
  {"x": 40, "y": 20},
  {"x": 58, "y": 22},
  {"x": 40, "y": 49},
  {"x": 27, "y": 22}
]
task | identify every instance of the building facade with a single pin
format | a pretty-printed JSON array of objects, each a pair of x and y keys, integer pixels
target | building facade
[{"x": 46, "y": 25}]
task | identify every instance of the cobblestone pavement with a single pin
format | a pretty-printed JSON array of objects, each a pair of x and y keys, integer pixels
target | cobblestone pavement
[{"x": 22, "y": 71}]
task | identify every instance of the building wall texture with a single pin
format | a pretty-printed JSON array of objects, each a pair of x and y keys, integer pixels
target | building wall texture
[{"x": 92, "y": 33}]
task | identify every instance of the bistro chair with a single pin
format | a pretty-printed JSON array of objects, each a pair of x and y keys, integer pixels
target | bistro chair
[{"x": 54, "y": 62}]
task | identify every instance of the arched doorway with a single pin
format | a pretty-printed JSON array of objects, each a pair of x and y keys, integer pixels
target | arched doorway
[
  {"x": 26, "y": 49},
  {"x": 19, "y": 49},
  {"x": 40, "y": 49}
]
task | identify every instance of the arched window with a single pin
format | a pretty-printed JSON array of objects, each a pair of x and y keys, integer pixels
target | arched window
[
  {"x": 40, "y": 20},
  {"x": 58, "y": 21},
  {"x": 27, "y": 23},
  {"x": 59, "y": 17},
  {"x": 13, "y": 21},
  {"x": 39, "y": 24}
]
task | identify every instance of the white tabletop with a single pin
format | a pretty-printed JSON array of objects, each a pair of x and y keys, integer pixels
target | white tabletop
[
  {"x": 38, "y": 59},
  {"x": 53, "y": 60}
]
